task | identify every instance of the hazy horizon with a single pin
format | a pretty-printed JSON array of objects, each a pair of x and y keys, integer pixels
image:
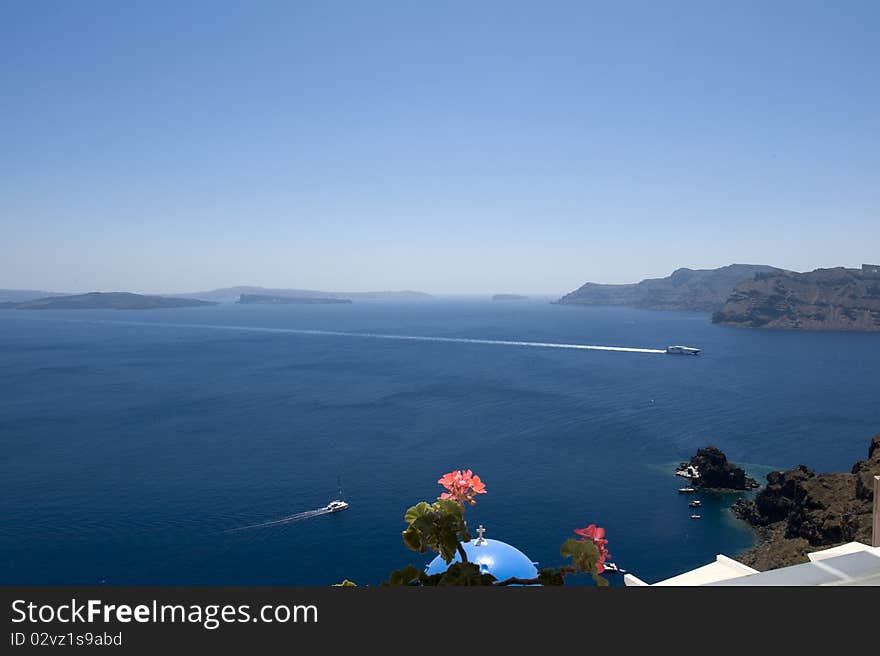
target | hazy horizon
[
  {"x": 355, "y": 290},
  {"x": 462, "y": 148}
]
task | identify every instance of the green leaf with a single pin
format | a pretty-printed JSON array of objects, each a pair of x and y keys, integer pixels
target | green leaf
[
  {"x": 410, "y": 575},
  {"x": 439, "y": 526},
  {"x": 448, "y": 507},
  {"x": 600, "y": 580},
  {"x": 412, "y": 538},
  {"x": 465, "y": 574},
  {"x": 415, "y": 512},
  {"x": 584, "y": 554},
  {"x": 550, "y": 576}
]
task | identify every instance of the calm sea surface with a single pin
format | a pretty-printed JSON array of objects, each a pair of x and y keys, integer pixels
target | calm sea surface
[{"x": 132, "y": 441}]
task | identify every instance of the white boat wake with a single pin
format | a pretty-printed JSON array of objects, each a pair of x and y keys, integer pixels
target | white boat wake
[
  {"x": 411, "y": 338},
  {"x": 308, "y": 514}
]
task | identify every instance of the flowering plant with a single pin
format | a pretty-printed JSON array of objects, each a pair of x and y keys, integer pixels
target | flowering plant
[
  {"x": 461, "y": 486},
  {"x": 596, "y": 534},
  {"x": 440, "y": 526}
]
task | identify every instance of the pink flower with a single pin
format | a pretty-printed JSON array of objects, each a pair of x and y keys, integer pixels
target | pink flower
[
  {"x": 461, "y": 486},
  {"x": 596, "y": 534},
  {"x": 592, "y": 531}
]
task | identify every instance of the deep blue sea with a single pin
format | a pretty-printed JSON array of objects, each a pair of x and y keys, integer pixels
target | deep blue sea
[{"x": 132, "y": 441}]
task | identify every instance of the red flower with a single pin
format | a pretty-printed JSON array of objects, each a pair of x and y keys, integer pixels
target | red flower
[
  {"x": 592, "y": 531},
  {"x": 461, "y": 486},
  {"x": 596, "y": 534}
]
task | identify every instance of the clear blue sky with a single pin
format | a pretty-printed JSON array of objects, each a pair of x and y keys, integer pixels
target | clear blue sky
[{"x": 443, "y": 146}]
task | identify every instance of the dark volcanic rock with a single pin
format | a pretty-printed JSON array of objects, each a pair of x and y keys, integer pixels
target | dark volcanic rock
[
  {"x": 703, "y": 290},
  {"x": 824, "y": 299},
  {"x": 782, "y": 494},
  {"x": 716, "y": 472},
  {"x": 865, "y": 470},
  {"x": 799, "y": 511}
]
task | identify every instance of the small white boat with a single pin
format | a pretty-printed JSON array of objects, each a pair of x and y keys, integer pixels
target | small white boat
[
  {"x": 686, "y": 490},
  {"x": 337, "y": 504},
  {"x": 682, "y": 350},
  {"x": 695, "y": 504},
  {"x": 695, "y": 516}
]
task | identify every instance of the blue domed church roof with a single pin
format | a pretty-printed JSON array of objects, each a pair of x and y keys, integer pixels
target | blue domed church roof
[{"x": 497, "y": 558}]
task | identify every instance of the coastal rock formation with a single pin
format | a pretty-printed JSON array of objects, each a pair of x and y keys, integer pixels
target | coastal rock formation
[
  {"x": 702, "y": 290},
  {"x": 865, "y": 470},
  {"x": 716, "y": 472},
  {"x": 287, "y": 300},
  {"x": 800, "y": 511},
  {"x": 824, "y": 299},
  {"x": 104, "y": 301}
]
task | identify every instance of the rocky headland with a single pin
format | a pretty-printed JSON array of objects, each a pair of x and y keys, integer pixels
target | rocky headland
[
  {"x": 800, "y": 511},
  {"x": 703, "y": 290},
  {"x": 824, "y": 299}
]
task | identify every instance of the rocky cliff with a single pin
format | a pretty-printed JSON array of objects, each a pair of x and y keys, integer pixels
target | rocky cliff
[
  {"x": 824, "y": 299},
  {"x": 717, "y": 473},
  {"x": 800, "y": 511},
  {"x": 702, "y": 290}
]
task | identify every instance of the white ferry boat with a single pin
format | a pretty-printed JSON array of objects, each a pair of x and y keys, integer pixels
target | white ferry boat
[{"x": 682, "y": 350}]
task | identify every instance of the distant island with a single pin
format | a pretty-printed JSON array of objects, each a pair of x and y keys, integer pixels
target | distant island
[
  {"x": 103, "y": 301},
  {"x": 226, "y": 295},
  {"x": 509, "y": 297},
  {"x": 264, "y": 299},
  {"x": 703, "y": 290},
  {"x": 824, "y": 299},
  {"x": 19, "y": 295},
  {"x": 233, "y": 294},
  {"x": 799, "y": 510}
]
